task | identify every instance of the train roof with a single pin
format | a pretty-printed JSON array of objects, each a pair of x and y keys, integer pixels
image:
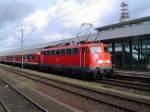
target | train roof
[
  {"x": 26, "y": 51},
  {"x": 88, "y": 44}
]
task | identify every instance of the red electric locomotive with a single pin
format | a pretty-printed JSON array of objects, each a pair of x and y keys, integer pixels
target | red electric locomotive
[{"x": 90, "y": 59}]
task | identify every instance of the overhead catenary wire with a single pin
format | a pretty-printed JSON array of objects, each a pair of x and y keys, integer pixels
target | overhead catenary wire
[{"x": 7, "y": 9}]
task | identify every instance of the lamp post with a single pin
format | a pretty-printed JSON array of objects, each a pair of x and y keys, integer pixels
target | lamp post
[{"x": 22, "y": 45}]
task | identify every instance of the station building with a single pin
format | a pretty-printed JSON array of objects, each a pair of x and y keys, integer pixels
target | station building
[{"x": 129, "y": 43}]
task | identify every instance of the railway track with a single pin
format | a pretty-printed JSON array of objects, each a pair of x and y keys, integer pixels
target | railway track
[
  {"x": 2, "y": 107},
  {"x": 114, "y": 100},
  {"x": 132, "y": 77},
  {"x": 126, "y": 84},
  {"x": 11, "y": 100}
]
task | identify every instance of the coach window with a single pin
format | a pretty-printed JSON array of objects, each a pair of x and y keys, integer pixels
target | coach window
[
  {"x": 42, "y": 52},
  {"x": 45, "y": 53},
  {"x": 33, "y": 57},
  {"x": 24, "y": 56},
  {"x": 28, "y": 57},
  {"x": 17, "y": 57}
]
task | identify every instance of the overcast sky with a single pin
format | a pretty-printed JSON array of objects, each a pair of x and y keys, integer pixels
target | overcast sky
[{"x": 51, "y": 20}]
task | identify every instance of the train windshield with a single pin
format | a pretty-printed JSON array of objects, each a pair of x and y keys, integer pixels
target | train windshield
[{"x": 95, "y": 49}]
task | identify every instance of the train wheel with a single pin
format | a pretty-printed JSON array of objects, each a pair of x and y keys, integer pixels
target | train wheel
[{"x": 96, "y": 76}]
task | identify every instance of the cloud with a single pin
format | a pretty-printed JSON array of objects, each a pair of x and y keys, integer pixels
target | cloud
[
  {"x": 60, "y": 20},
  {"x": 70, "y": 13},
  {"x": 52, "y": 20},
  {"x": 56, "y": 37},
  {"x": 91, "y": 11},
  {"x": 16, "y": 11},
  {"x": 40, "y": 18}
]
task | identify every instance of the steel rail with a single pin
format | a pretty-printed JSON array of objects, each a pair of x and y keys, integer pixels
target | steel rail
[
  {"x": 126, "y": 84},
  {"x": 34, "y": 77},
  {"x": 26, "y": 97},
  {"x": 5, "y": 108}
]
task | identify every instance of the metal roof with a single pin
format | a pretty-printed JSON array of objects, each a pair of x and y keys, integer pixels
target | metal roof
[
  {"x": 17, "y": 51},
  {"x": 130, "y": 22}
]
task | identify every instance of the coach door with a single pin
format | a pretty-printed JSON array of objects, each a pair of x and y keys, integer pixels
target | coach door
[{"x": 82, "y": 57}]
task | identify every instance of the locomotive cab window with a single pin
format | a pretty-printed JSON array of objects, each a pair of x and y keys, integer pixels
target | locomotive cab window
[{"x": 95, "y": 49}]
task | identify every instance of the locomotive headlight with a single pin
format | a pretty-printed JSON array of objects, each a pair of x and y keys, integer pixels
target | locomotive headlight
[
  {"x": 100, "y": 61},
  {"x": 107, "y": 61}
]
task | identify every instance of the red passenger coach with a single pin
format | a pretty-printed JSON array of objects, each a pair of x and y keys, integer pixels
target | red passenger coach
[
  {"x": 28, "y": 58},
  {"x": 92, "y": 59}
]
